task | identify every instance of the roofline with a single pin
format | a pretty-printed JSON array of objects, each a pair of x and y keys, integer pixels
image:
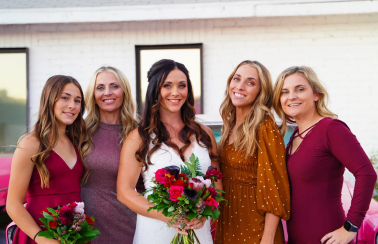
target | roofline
[{"x": 222, "y": 10}]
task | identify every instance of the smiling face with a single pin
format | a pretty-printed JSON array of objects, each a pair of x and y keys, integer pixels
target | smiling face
[
  {"x": 244, "y": 86},
  {"x": 67, "y": 107},
  {"x": 173, "y": 92},
  {"x": 108, "y": 93},
  {"x": 297, "y": 97}
]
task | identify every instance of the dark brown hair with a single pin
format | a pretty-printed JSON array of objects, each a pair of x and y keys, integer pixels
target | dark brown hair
[{"x": 151, "y": 123}]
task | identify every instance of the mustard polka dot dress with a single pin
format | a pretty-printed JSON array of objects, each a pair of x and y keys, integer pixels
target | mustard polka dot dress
[{"x": 254, "y": 186}]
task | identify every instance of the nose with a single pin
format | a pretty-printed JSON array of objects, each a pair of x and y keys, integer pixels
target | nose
[
  {"x": 175, "y": 91},
  {"x": 107, "y": 91},
  {"x": 240, "y": 86},
  {"x": 292, "y": 96}
]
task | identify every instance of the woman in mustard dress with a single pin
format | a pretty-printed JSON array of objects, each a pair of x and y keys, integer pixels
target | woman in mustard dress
[{"x": 252, "y": 159}]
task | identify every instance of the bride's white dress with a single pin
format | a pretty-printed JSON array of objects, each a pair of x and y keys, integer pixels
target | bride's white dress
[{"x": 149, "y": 230}]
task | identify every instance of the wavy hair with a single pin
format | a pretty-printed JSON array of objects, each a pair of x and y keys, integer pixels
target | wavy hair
[
  {"x": 46, "y": 127},
  {"x": 93, "y": 118},
  {"x": 246, "y": 133},
  {"x": 151, "y": 123},
  {"x": 317, "y": 87}
]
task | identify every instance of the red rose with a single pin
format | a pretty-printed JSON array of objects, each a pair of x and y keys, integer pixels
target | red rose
[
  {"x": 178, "y": 183},
  {"x": 214, "y": 175},
  {"x": 211, "y": 202},
  {"x": 161, "y": 174},
  {"x": 45, "y": 210},
  {"x": 89, "y": 220},
  {"x": 212, "y": 191},
  {"x": 175, "y": 192},
  {"x": 182, "y": 175},
  {"x": 53, "y": 224},
  {"x": 168, "y": 184},
  {"x": 191, "y": 185}
]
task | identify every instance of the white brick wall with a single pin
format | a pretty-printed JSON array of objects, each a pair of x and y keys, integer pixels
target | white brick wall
[{"x": 342, "y": 49}]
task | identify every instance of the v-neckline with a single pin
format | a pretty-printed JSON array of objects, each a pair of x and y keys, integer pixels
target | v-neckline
[
  {"x": 77, "y": 158},
  {"x": 173, "y": 151}
]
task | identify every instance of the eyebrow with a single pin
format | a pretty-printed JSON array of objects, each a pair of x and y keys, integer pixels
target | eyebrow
[
  {"x": 283, "y": 88},
  {"x": 111, "y": 83},
  {"x": 70, "y": 95},
  {"x": 249, "y": 78},
  {"x": 183, "y": 81}
]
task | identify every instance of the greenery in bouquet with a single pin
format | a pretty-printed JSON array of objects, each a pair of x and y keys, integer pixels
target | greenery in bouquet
[
  {"x": 68, "y": 224},
  {"x": 186, "y": 195}
]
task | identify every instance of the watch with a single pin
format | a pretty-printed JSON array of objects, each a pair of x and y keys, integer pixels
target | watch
[{"x": 350, "y": 227}]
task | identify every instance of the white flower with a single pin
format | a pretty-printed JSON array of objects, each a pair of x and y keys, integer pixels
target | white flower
[{"x": 79, "y": 208}]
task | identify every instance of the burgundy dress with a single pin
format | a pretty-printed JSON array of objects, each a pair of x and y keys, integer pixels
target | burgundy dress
[
  {"x": 64, "y": 188},
  {"x": 316, "y": 171}
]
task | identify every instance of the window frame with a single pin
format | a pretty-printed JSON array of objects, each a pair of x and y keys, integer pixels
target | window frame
[{"x": 139, "y": 48}]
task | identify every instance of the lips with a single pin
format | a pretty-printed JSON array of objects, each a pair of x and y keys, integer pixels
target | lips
[
  {"x": 108, "y": 100},
  {"x": 174, "y": 100},
  {"x": 69, "y": 114},
  {"x": 294, "y": 104}
]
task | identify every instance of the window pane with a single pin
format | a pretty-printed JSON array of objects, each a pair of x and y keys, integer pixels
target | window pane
[
  {"x": 13, "y": 96},
  {"x": 190, "y": 57}
]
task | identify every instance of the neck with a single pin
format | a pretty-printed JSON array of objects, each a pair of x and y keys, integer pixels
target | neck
[
  {"x": 304, "y": 122},
  {"x": 241, "y": 113},
  {"x": 62, "y": 131},
  {"x": 173, "y": 120},
  {"x": 113, "y": 117}
]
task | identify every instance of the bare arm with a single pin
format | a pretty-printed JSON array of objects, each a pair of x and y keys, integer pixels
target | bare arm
[
  {"x": 21, "y": 172},
  {"x": 128, "y": 174},
  {"x": 270, "y": 228}
]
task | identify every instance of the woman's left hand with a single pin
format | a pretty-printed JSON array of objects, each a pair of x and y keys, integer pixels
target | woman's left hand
[
  {"x": 339, "y": 236},
  {"x": 195, "y": 224}
]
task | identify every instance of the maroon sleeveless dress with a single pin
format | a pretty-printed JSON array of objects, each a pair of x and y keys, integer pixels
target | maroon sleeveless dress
[{"x": 64, "y": 188}]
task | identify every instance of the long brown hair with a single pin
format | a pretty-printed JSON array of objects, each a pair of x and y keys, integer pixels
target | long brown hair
[
  {"x": 46, "y": 128},
  {"x": 246, "y": 133},
  {"x": 151, "y": 123},
  {"x": 317, "y": 87},
  {"x": 93, "y": 118}
]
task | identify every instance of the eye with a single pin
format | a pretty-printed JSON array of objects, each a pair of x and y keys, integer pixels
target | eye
[
  {"x": 115, "y": 86},
  {"x": 300, "y": 89},
  {"x": 77, "y": 101},
  {"x": 182, "y": 86},
  {"x": 65, "y": 98},
  {"x": 100, "y": 88},
  {"x": 284, "y": 92},
  {"x": 167, "y": 86},
  {"x": 251, "y": 83},
  {"x": 236, "y": 79}
]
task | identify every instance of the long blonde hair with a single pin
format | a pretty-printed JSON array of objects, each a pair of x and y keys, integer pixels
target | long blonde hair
[
  {"x": 128, "y": 120},
  {"x": 246, "y": 133},
  {"x": 317, "y": 87},
  {"x": 46, "y": 127}
]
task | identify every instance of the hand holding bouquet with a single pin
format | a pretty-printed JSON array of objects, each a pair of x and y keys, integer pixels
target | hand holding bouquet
[
  {"x": 68, "y": 224},
  {"x": 186, "y": 195}
]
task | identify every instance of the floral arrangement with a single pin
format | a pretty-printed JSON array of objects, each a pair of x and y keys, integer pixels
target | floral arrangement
[
  {"x": 186, "y": 195},
  {"x": 68, "y": 224}
]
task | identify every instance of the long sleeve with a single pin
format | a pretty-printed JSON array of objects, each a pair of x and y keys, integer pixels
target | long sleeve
[
  {"x": 346, "y": 148},
  {"x": 273, "y": 191}
]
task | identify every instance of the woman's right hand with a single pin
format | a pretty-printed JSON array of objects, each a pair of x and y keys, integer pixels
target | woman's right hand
[{"x": 44, "y": 240}]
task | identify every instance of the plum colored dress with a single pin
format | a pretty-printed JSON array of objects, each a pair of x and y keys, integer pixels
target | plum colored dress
[
  {"x": 115, "y": 221},
  {"x": 64, "y": 188},
  {"x": 316, "y": 171},
  {"x": 254, "y": 186}
]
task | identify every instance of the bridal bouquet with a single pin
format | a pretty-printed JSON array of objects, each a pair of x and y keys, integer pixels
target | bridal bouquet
[
  {"x": 186, "y": 195},
  {"x": 68, "y": 224}
]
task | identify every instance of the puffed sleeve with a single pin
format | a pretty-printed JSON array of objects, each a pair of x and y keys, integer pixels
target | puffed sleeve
[
  {"x": 346, "y": 148},
  {"x": 273, "y": 191}
]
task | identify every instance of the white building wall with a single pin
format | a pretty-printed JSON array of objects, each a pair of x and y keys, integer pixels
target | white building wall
[{"x": 342, "y": 49}]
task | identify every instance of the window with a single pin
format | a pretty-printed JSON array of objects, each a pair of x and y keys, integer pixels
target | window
[
  {"x": 13, "y": 97},
  {"x": 188, "y": 54}
]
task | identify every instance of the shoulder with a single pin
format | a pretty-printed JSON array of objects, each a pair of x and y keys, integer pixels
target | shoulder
[
  {"x": 134, "y": 135},
  {"x": 206, "y": 129},
  {"x": 268, "y": 123},
  {"x": 333, "y": 124},
  {"x": 29, "y": 142}
]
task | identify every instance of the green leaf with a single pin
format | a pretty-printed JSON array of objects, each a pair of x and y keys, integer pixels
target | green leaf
[
  {"x": 207, "y": 212},
  {"x": 48, "y": 234},
  {"x": 48, "y": 216},
  {"x": 51, "y": 210},
  {"x": 44, "y": 221},
  {"x": 59, "y": 231},
  {"x": 66, "y": 235},
  {"x": 91, "y": 233},
  {"x": 171, "y": 209},
  {"x": 192, "y": 215},
  {"x": 216, "y": 213},
  {"x": 84, "y": 240}
]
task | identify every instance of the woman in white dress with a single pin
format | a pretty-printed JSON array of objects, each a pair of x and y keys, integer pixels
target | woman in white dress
[{"x": 167, "y": 135}]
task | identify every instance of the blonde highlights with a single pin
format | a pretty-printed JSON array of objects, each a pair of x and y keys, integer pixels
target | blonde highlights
[
  {"x": 246, "y": 133},
  {"x": 317, "y": 87},
  {"x": 46, "y": 127},
  {"x": 93, "y": 118}
]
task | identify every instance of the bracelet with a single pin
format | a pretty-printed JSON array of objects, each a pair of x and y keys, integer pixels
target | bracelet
[{"x": 36, "y": 235}]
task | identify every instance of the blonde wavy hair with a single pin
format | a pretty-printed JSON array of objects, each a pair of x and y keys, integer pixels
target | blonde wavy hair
[
  {"x": 46, "y": 127},
  {"x": 246, "y": 133},
  {"x": 317, "y": 87},
  {"x": 128, "y": 120}
]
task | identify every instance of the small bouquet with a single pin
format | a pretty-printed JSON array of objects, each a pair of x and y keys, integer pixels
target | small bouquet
[
  {"x": 186, "y": 195},
  {"x": 68, "y": 224}
]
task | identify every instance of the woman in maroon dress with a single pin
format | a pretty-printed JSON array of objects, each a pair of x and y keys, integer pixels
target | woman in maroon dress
[
  {"x": 47, "y": 164},
  {"x": 317, "y": 154}
]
